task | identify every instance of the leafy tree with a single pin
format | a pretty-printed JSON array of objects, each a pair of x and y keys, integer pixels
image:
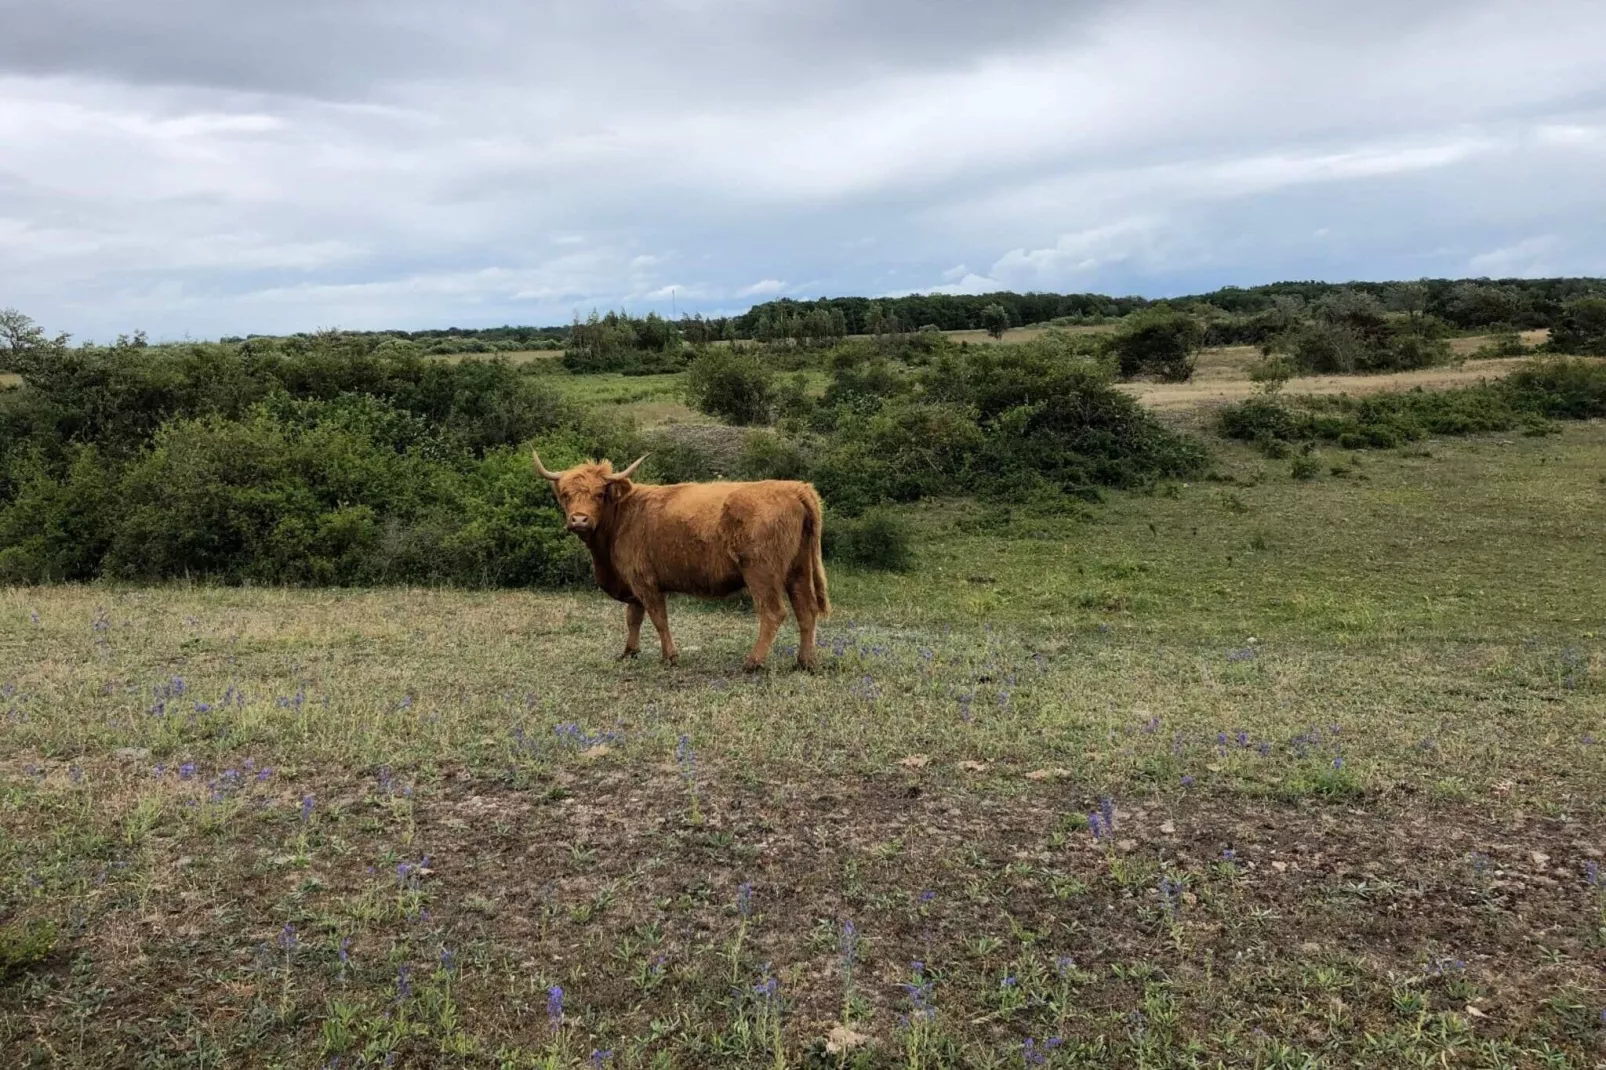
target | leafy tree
[{"x": 995, "y": 319}]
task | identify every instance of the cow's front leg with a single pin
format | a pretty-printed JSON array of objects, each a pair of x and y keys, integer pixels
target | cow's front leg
[
  {"x": 659, "y": 612},
  {"x": 633, "y": 617}
]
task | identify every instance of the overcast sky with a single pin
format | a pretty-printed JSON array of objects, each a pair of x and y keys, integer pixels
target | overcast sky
[{"x": 210, "y": 167}]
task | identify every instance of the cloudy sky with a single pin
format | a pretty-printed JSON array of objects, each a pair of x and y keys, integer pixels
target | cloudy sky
[{"x": 207, "y": 167}]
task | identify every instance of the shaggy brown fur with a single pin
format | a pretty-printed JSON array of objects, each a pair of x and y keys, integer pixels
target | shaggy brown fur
[{"x": 705, "y": 539}]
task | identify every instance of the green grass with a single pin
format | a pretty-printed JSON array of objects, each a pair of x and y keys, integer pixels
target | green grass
[{"x": 1414, "y": 651}]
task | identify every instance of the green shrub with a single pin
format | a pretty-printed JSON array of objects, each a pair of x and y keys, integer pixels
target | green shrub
[
  {"x": 851, "y": 477},
  {"x": 1581, "y": 329},
  {"x": 1305, "y": 467},
  {"x": 878, "y": 540},
  {"x": 792, "y": 401},
  {"x": 1559, "y": 388},
  {"x": 1161, "y": 342},
  {"x": 1528, "y": 398},
  {"x": 58, "y": 529},
  {"x": 767, "y": 455},
  {"x": 733, "y": 385},
  {"x": 1272, "y": 372}
]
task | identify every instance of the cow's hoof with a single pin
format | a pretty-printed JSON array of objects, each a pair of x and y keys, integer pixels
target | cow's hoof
[
  {"x": 670, "y": 660},
  {"x": 628, "y": 655},
  {"x": 752, "y": 666},
  {"x": 806, "y": 666}
]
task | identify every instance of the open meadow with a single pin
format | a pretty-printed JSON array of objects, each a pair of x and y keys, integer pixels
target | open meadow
[{"x": 1241, "y": 771}]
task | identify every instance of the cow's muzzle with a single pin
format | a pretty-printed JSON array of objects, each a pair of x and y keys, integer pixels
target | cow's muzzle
[{"x": 579, "y": 523}]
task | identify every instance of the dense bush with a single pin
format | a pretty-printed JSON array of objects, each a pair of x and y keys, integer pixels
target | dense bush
[
  {"x": 878, "y": 539},
  {"x": 731, "y": 384},
  {"x": 1544, "y": 390},
  {"x": 317, "y": 459},
  {"x": 1581, "y": 328},
  {"x": 293, "y": 492},
  {"x": 1559, "y": 388},
  {"x": 989, "y": 420},
  {"x": 1351, "y": 332},
  {"x": 1159, "y": 341}
]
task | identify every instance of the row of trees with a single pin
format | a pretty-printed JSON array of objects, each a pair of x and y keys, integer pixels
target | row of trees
[{"x": 615, "y": 341}]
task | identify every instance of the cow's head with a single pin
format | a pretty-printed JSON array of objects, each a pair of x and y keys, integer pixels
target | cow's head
[{"x": 586, "y": 490}]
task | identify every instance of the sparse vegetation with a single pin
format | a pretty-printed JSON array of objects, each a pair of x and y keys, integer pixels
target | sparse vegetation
[
  {"x": 1121, "y": 752},
  {"x": 1527, "y": 399}
]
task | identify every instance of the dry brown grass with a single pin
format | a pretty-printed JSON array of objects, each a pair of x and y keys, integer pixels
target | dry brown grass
[
  {"x": 1017, "y": 335},
  {"x": 1223, "y": 376}
]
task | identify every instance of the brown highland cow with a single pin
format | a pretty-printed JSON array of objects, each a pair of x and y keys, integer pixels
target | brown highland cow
[{"x": 705, "y": 539}]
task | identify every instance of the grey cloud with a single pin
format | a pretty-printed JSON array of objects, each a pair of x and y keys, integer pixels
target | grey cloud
[{"x": 222, "y": 167}]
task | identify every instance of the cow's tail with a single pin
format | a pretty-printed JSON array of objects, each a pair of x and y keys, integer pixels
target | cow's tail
[{"x": 813, "y": 531}]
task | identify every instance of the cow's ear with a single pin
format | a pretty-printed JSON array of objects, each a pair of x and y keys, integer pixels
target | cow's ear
[{"x": 616, "y": 489}]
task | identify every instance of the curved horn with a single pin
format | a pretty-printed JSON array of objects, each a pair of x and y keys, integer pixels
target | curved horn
[
  {"x": 542, "y": 469},
  {"x": 620, "y": 476}
]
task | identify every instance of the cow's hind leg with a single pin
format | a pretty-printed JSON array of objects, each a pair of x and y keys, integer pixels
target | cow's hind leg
[
  {"x": 770, "y": 600},
  {"x": 801, "y": 592},
  {"x": 659, "y": 613},
  {"x": 633, "y": 616}
]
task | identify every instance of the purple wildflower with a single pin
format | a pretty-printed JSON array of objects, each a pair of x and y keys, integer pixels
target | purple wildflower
[
  {"x": 1187, "y": 781},
  {"x": 1037, "y": 1054},
  {"x": 1592, "y": 875},
  {"x": 308, "y": 803},
  {"x": 600, "y": 1057},
  {"x": 404, "y": 986},
  {"x": 554, "y": 1005},
  {"x": 1063, "y": 965},
  {"x": 448, "y": 960},
  {"x": 767, "y": 986},
  {"x": 287, "y": 937},
  {"x": 919, "y": 990},
  {"x": 1107, "y": 809},
  {"x": 850, "y": 946},
  {"x": 1170, "y": 896},
  {"x": 186, "y": 771},
  {"x": 744, "y": 899}
]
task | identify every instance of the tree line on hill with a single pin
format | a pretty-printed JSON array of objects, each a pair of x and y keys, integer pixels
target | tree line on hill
[{"x": 1231, "y": 315}]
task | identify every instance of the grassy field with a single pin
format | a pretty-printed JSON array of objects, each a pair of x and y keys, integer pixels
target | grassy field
[{"x": 1248, "y": 772}]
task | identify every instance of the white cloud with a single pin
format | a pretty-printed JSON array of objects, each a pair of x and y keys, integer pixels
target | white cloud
[
  {"x": 1529, "y": 258},
  {"x": 969, "y": 284},
  {"x": 408, "y": 161}
]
